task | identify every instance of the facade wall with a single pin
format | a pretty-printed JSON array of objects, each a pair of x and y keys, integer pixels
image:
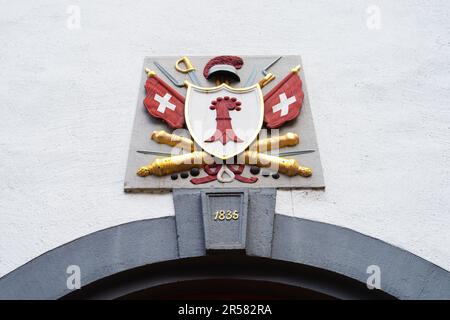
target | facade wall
[{"x": 379, "y": 98}]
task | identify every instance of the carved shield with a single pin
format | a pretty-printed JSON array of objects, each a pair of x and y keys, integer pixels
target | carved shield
[{"x": 223, "y": 120}]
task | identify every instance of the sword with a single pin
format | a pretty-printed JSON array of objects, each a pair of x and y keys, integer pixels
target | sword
[
  {"x": 190, "y": 70},
  {"x": 281, "y": 154},
  {"x": 251, "y": 78},
  {"x": 295, "y": 153},
  {"x": 155, "y": 153},
  {"x": 168, "y": 75},
  {"x": 268, "y": 77},
  {"x": 264, "y": 71}
]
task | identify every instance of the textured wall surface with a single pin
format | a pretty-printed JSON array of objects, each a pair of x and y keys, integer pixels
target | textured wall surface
[{"x": 380, "y": 99}]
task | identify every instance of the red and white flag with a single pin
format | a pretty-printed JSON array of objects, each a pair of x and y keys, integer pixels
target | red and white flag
[
  {"x": 163, "y": 102},
  {"x": 284, "y": 101}
]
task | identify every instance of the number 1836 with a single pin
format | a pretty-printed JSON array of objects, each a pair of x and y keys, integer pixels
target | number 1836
[{"x": 226, "y": 215}]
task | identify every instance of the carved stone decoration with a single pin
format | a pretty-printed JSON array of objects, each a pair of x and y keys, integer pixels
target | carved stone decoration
[{"x": 211, "y": 129}]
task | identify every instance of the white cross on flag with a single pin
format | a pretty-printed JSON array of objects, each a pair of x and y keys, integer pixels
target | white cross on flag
[
  {"x": 284, "y": 101},
  {"x": 164, "y": 102}
]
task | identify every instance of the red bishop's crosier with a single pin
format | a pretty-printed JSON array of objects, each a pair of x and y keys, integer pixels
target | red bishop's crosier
[{"x": 224, "y": 130}]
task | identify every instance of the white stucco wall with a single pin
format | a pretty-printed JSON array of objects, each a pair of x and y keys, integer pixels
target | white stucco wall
[{"x": 380, "y": 98}]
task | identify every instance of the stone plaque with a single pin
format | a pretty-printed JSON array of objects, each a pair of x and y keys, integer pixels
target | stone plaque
[
  {"x": 160, "y": 120},
  {"x": 225, "y": 219}
]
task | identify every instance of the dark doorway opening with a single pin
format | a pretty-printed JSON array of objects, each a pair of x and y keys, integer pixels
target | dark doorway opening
[
  {"x": 222, "y": 277},
  {"x": 225, "y": 289}
]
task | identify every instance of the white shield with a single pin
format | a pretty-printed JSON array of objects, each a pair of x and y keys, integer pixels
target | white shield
[{"x": 220, "y": 132}]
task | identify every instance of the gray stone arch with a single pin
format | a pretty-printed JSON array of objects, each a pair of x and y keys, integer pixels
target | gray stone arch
[{"x": 308, "y": 247}]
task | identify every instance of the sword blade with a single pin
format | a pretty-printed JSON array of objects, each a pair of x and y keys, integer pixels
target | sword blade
[
  {"x": 155, "y": 153},
  {"x": 295, "y": 153},
  {"x": 251, "y": 78},
  {"x": 270, "y": 65},
  {"x": 281, "y": 154},
  {"x": 193, "y": 77},
  {"x": 168, "y": 75}
]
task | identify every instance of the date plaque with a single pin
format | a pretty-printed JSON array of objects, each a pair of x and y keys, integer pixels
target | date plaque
[{"x": 225, "y": 219}]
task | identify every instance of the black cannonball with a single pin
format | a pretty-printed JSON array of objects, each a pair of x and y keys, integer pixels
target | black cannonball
[
  {"x": 195, "y": 172},
  {"x": 184, "y": 175},
  {"x": 255, "y": 170}
]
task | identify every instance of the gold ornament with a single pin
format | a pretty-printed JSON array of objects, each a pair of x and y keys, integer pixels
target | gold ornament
[
  {"x": 175, "y": 164},
  {"x": 172, "y": 140},
  {"x": 287, "y": 140},
  {"x": 289, "y": 167}
]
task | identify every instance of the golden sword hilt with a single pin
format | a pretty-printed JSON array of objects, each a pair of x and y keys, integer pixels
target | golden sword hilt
[
  {"x": 266, "y": 80},
  {"x": 269, "y": 77},
  {"x": 188, "y": 64}
]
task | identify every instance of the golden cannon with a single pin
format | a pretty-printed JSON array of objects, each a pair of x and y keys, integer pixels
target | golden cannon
[{"x": 197, "y": 159}]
